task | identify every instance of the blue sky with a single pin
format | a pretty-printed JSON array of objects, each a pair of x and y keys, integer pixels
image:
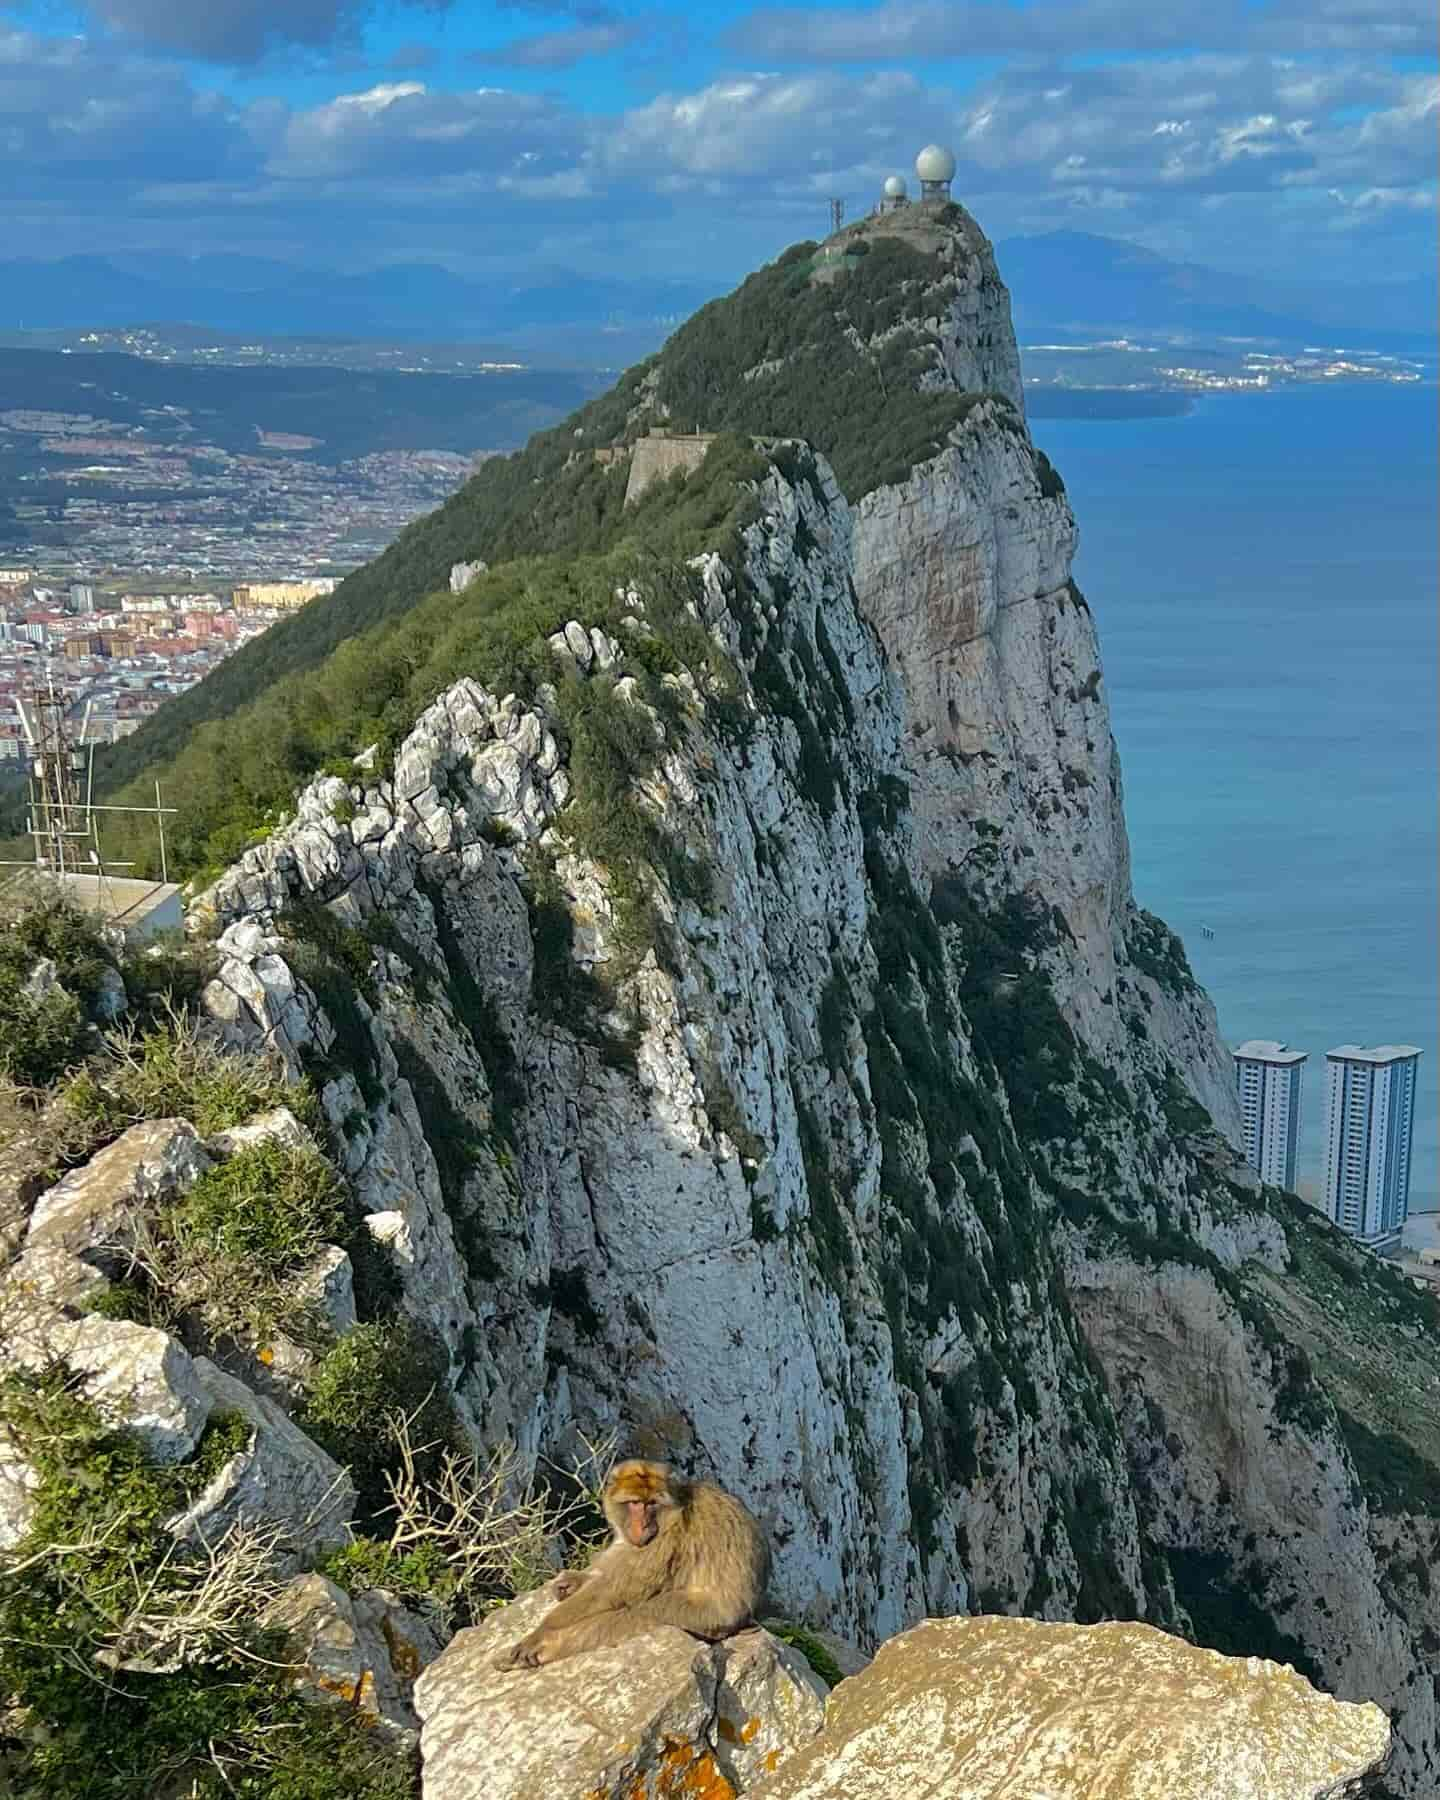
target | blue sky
[{"x": 1289, "y": 138}]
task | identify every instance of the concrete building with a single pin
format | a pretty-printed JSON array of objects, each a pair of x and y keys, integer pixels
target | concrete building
[
  {"x": 282, "y": 593},
  {"x": 1369, "y": 1120},
  {"x": 82, "y": 597},
  {"x": 141, "y": 909},
  {"x": 1267, "y": 1078}
]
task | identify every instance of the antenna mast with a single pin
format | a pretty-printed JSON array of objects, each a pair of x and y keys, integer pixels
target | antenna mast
[
  {"x": 837, "y": 215},
  {"x": 59, "y": 821},
  {"x": 64, "y": 822}
]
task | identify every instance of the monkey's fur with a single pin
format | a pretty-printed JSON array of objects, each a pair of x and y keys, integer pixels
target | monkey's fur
[{"x": 685, "y": 1553}]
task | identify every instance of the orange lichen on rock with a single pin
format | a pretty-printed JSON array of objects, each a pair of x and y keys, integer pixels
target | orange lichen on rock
[
  {"x": 751, "y": 1728},
  {"x": 353, "y": 1693},
  {"x": 684, "y": 1772}
]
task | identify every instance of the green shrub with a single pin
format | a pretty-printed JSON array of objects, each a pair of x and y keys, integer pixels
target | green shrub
[
  {"x": 268, "y": 1205},
  {"x": 41, "y": 1036},
  {"x": 228, "y": 1722},
  {"x": 418, "y": 1576},
  {"x": 174, "y": 1071},
  {"x": 166, "y": 976},
  {"x": 228, "y": 1251},
  {"x": 809, "y": 1646},
  {"x": 45, "y": 924},
  {"x": 373, "y": 1373}
]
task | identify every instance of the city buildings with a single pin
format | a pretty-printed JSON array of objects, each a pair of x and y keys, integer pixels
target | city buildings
[
  {"x": 1267, "y": 1078},
  {"x": 1369, "y": 1116},
  {"x": 113, "y": 655}
]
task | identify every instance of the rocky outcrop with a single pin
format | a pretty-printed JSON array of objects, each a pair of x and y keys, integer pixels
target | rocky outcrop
[
  {"x": 668, "y": 1715},
  {"x": 1009, "y": 1709},
  {"x": 137, "y": 1378},
  {"x": 280, "y": 1479},
  {"x": 90, "y": 1213},
  {"x": 361, "y": 1651},
  {"x": 814, "y": 1225}
]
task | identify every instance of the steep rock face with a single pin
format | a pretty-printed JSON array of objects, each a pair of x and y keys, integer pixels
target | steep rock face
[
  {"x": 964, "y": 570},
  {"x": 713, "y": 1248},
  {"x": 830, "y": 1153}
]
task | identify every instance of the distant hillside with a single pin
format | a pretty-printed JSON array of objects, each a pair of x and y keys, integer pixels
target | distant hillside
[
  {"x": 1063, "y": 278},
  {"x": 1071, "y": 278},
  {"x": 402, "y": 300},
  {"x": 353, "y": 413}
]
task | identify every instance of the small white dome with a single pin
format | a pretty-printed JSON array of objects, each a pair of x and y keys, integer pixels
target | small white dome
[
  {"x": 894, "y": 187},
  {"x": 935, "y": 163}
]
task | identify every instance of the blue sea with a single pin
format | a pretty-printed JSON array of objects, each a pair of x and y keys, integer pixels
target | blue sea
[{"x": 1263, "y": 575}]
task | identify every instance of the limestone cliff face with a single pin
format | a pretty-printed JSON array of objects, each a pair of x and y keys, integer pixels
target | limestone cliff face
[{"x": 871, "y": 1179}]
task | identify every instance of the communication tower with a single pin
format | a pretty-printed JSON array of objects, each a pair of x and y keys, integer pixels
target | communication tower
[
  {"x": 837, "y": 215},
  {"x": 63, "y": 820},
  {"x": 935, "y": 166}
]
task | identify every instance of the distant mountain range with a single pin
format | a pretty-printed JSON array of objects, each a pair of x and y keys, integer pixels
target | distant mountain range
[
  {"x": 1073, "y": 280},
  {"x": 402, "y": 300},
  {"x": 1063, "y": 281}
]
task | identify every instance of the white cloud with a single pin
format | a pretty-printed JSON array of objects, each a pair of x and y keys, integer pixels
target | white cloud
[{"x": 1190, "y": 151}]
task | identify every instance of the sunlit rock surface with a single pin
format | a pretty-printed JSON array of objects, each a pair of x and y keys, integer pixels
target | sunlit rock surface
[
  {"x": 1014, "y": 1709},
  {"x": 662, "y": 1715}
]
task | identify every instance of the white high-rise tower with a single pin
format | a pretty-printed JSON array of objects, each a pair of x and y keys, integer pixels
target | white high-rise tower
[
  {"x": 1267, "y": 1078},
  {"x": 1369, "y": 1118}
]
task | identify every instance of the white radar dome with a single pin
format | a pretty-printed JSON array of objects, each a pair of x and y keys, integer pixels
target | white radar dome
[
  {"x": 935, "y": 163},
  {"x": 894, "y": 188}
]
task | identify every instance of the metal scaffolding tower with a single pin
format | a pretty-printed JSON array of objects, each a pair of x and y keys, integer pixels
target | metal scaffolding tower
[{"x": 63, "y": 820}]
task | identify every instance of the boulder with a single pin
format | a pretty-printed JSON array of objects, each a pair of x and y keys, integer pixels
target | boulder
[
  {"x": 89, "y": 1213},
  {"x": 768, "y": 1703},
  {"x": 364, "y": 1650},
  {"x": 279, "y": 1126},
  {"x": 665, "y": 1714},
  {"x": 1017, "y": 1709},
  {"x": 42, "y": 1278},
  {"x": 137, "y": 1377},
  {"x": 281, "y": 1477}
]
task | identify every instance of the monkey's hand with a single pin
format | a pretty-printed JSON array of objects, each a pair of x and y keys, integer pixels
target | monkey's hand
[
  {"x": 568, "y": 1582},
  {"x": 527, "y": 1654}
]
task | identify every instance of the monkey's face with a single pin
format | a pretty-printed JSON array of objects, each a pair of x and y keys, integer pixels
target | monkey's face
[
  {"x": 641, "y": 1522},
  {"x": 638, "y": 1501}
]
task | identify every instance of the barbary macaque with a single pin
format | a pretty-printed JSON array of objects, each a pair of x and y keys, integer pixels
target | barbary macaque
[{"x": 685, "y": 1553}]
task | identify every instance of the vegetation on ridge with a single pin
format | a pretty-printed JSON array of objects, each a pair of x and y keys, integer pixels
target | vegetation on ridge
[
  {"x": 554, "y": 500},
  {"x": 836, "y": 362},
  {"x": 239, "y": 775}
]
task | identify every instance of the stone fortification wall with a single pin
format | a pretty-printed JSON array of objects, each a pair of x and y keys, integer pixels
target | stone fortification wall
[{"x": 663, "y": 454}]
